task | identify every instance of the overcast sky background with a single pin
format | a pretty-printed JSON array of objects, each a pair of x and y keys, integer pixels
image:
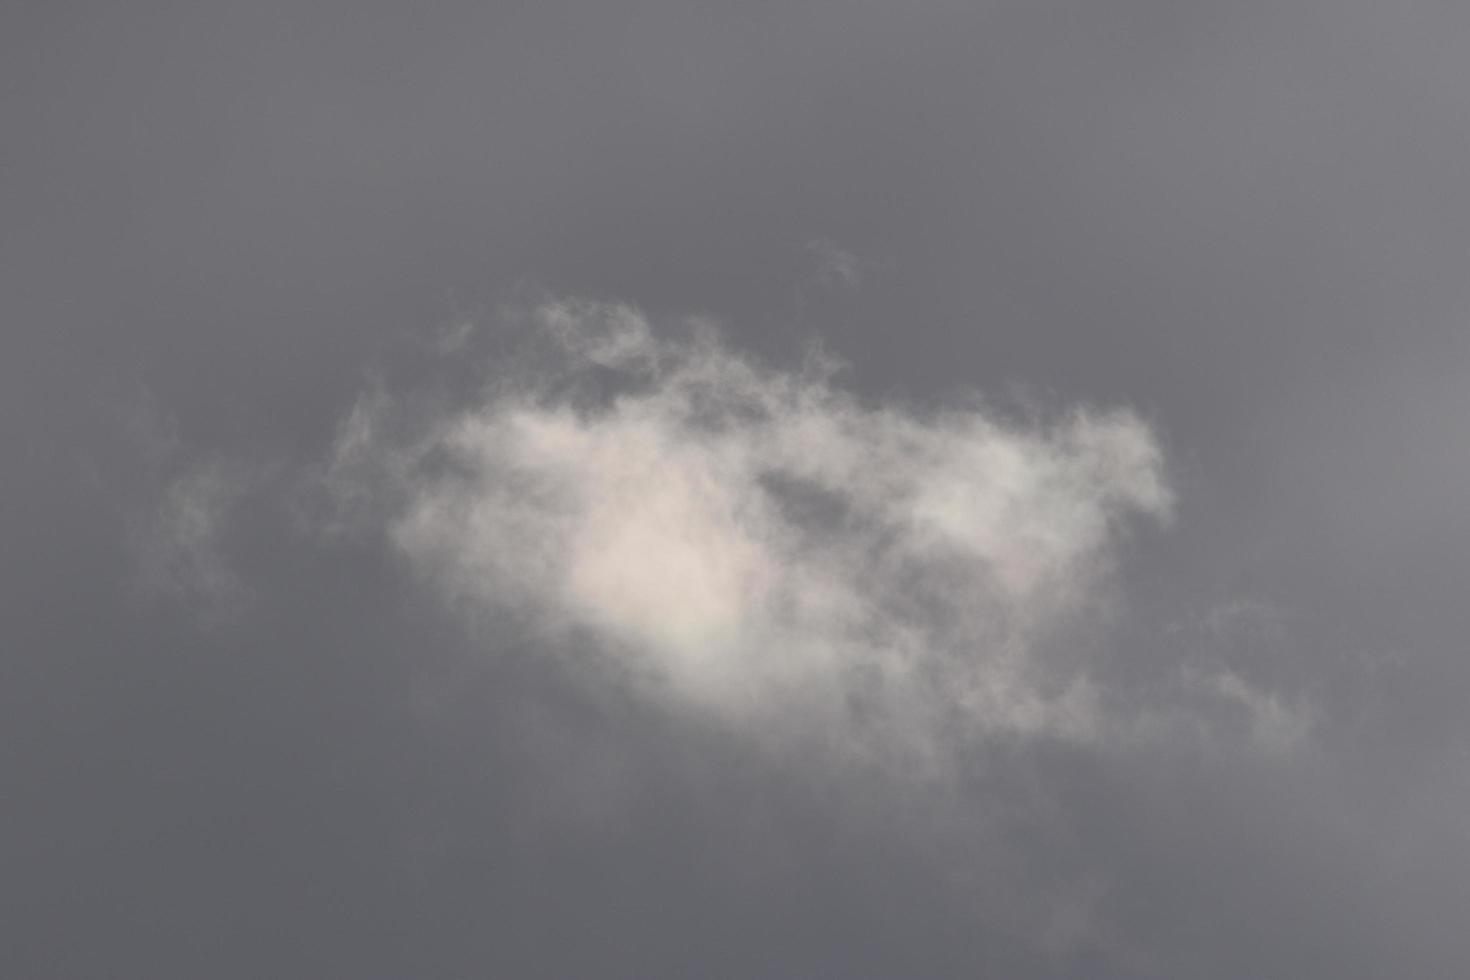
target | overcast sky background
[{"x": 336, "y": 639}]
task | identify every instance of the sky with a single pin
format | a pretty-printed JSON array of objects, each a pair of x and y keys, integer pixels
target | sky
[{"x": 734, "y": 490}]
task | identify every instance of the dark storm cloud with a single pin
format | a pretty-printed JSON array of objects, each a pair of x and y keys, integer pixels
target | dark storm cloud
[{"x": 282, "y": 755}]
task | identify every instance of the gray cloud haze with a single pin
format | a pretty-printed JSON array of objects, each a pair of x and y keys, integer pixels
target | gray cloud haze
[{"x": 662, "y": 490}]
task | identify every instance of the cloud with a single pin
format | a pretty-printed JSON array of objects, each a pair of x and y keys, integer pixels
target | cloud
[
  {"x": 835, "y": 267},
  {"x": 179, "y": 547},
  {"x": 1232, "y": 673},
  {"x": 758, "y": 545}
]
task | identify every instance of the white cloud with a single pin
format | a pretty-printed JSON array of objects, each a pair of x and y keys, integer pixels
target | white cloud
[{"x": 760, "y": 545}]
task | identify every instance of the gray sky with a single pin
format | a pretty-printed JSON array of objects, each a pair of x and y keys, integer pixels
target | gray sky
[{"x": 1053, "y": 564}]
